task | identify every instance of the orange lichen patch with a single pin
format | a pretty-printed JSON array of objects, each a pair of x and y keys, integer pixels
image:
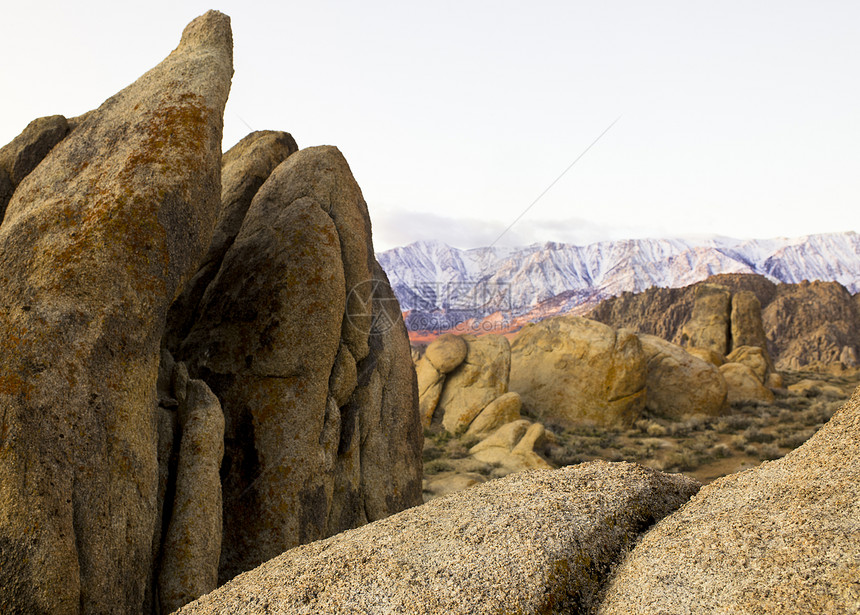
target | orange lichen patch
[{"x": 115, "y": 224}]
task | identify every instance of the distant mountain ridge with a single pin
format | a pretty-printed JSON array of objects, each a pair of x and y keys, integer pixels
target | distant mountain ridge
[{"x": 440, "y": 287}]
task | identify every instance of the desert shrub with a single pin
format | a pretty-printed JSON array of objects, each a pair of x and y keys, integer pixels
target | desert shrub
[
  {"x": 739, "y": 442},
  {"x": 430, "y": 453},
  {"x": 793, "y": 440},
  {"x": 679, "y": 461},
  {"x": 656, "y": 430},
  {"x": 733, "y": 423},
  {"x": 752, "y": 450},
  {"x": 721, "y": 451},
  {"x": 754, "y": 434},
  {"x": 438, "y": 465},
  {"x": 768, "y": 452}
]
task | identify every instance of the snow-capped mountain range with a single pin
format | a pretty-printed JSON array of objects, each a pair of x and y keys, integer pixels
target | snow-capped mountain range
[{"x": 440, "y": 286}]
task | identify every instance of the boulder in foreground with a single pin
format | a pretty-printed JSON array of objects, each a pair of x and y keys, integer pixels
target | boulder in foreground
[
  {"x": 781, "y": 538},
  {"x": 536, "y": 542}
]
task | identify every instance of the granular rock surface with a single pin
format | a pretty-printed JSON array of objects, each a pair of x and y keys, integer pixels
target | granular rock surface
[
  {"x": 781, "y": 538},
  {"x": 535, "y": 542}
]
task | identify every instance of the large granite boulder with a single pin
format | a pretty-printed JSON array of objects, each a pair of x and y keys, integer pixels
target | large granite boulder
[
  {"x": 95, "y": 245},
  {"x": 244, "y": 168},
  {"x": 754, "y": 357},
  {"x": 680, "y": 384},
  {"x": 301, "y": 338},
  {"x": 570, "y": 369},
  {"x": 480, "y": 378},
  {"x": 779, "y": 538},
  {"x": 446, "y": 352},
  {"x": 744, "y": 385},
  {"x": 746, "y": 320},
  {"x": 536, "y": 542},
  {"x": 709, "y": 324}
]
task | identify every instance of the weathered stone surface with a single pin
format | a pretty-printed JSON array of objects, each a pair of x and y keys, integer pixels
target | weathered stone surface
[
  {"x": 192, "y": 546},
  {"x": 511, "y": 447},
  {"x": 747, "y": 326},
  {"x": 781, "y": 538},
  {"x": 755, "y": 358},
  {"x": 446, "y": 352},
  {"x": 708, "y": 355},
  {"x": 708, "y": 326},
  {"x": 478, "y": 380},
  {"x": 743, "y": 385},
  {"x": 571, "y": 369},
  {"x": 344, "y": 376},
  {"x": 536, "y": 542},
  {"x": 679, "y": 384},
  {"x": 811, "y": 323},
  {"x": 298, "y": 465},
  {"x": 446, "y": 483},
  {"x": 504, "y": 409},
  {"x": 95, "y": 244},
  {"x": 244, "y": 168},
  {"x": 430, "y": 383},
  {"x": 26, "y": 151}
]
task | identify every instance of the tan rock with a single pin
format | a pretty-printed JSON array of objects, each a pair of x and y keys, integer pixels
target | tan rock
[
  {"x": 26, "y": 151},
  {"x": 747, "y": 326},
  {"x": 504, "y": 409},
  {"x": 344, "y": 376},
  {"x": 571, "y": 369},
  {"x": 753, "y": 357},
  {"x": 744, "y": 386},
  {"x": 446, "y": 483},
  {"x": 478, "y": 380},
  {"x": 529, "y": 543},
  {"x": 707, "y": 355},
  {"x": 505, "y": 437},
  {"x": 244, "y": 168},
  {"x": 430, "y": 383},
  {"x": 192, "y": 546},
  {"x": 512, "y": 447},
  {"x": 96, "y": 242},
  {"x": 811, "y": 387},
  {"x": 708, "y": 326},
  {"x": 446, "y": 352},
  {"x": 680, "y": 384},
  {"x": 298, "y": 464},
  {"x": 780, "y": 538},
  {"x": 774, "y": 381}
]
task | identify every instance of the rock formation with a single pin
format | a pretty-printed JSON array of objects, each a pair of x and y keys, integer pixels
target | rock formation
[
  {"x": 538, "y": 542},
  {"x": 474, "y": 383},
  {"x": 678, "y": 383},
  {"x": 747, "y": 328},
  {"x": 300, "y": 338},
  {"x": 94, "y": 246},
  {"x": 569, "y": 369},
  {"x": 131, "y": 253},
  {"x": 780, "y": 538},
  {"x": 710, "y": 321},
  {"x": 806, "y": 324},
  {"x": 26, "y": 151},
  {"x": 744, "y": 385},
  {"x": 812, "y": 323}
]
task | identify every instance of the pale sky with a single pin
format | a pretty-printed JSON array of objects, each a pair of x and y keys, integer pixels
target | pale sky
[{"x": 737, "y": 118}]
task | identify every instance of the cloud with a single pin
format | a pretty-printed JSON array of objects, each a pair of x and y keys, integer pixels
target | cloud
[{"x": 393, "y": 227}]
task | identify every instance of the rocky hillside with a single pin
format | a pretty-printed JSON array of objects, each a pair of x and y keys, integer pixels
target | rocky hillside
[
  {"x": 805, "y": 324},
  {"x": 440, "y": 286},
  {"x": 202, "y": 364}
]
